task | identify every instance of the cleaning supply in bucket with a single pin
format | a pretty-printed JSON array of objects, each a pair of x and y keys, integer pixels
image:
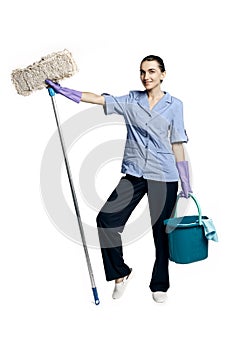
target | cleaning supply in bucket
[{"x": 188, "y": 236}]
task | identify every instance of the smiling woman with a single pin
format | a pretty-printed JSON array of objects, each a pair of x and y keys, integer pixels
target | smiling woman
[
  {"x": 153, "y": 162},
  {"x": 155, "y": 66},
  {"x": 152, "y": 73}
]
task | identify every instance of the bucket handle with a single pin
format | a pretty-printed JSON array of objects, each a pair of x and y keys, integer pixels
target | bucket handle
[{"x": 197, "y": 204}]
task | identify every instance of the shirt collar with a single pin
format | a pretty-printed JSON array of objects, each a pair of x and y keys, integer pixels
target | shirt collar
[{"x": 143, "y": 100}]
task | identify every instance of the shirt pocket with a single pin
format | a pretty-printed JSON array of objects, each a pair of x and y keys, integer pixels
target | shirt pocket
[
  {"x": 131, "y": 153},
  {"x": 164, "y": 151},
  {"x": 166, "y": 159}
]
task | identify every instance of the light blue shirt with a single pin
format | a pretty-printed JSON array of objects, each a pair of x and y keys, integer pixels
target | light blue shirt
[{"x": 150, "y": 134}]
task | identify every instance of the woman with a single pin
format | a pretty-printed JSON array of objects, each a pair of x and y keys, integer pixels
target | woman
[{"x": 153, "y": 162}]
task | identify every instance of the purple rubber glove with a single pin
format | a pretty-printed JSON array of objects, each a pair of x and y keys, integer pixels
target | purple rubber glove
[
  {"x": 69, "y": 93},
  {"x": 183, "y": 170}
]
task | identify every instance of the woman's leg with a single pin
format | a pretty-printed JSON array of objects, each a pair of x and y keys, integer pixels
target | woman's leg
[
  {"x": 162, "y": 198},
  {"x": 111, "y": 221}
]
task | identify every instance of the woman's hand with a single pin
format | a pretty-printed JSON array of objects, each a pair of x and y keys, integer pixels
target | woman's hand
[
  {"x": 76, "y": 96},
  {"x": 69, "y": 93}
]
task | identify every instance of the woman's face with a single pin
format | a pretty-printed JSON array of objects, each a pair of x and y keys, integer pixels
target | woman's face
[{"x": 151, "y": 74}]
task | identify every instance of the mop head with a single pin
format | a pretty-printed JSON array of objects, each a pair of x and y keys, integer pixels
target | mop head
[{"x": 55, "y": 67}]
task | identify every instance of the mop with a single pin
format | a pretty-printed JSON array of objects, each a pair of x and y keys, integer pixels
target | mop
[{"x": 55, "y": 67}]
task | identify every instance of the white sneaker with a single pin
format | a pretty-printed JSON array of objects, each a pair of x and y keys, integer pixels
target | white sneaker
[
  {"x": 120, "y": 287},
  {"x": 159, "y": 297}
]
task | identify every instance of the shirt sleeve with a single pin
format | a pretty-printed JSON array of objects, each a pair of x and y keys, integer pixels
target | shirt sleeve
[
  {"x": 115, "y": 104},
  {"x": 178, "y": 132}
]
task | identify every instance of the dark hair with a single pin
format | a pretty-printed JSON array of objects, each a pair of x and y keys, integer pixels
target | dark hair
[{"x": 155, "y": 58}]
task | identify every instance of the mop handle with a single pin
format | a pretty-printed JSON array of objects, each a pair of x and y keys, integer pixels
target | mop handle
[{"x": 52, "y": 95}]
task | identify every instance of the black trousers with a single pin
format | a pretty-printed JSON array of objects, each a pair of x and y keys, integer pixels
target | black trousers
[{"x": 114, "y": 215}]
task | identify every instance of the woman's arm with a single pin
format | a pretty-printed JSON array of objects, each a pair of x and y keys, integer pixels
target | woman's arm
[
  {"x": 183, "y": 168},
  {"x": 92, "y": 98},
  {"x": 178, "y": 150},
  {"x": 75, "y": 95}
]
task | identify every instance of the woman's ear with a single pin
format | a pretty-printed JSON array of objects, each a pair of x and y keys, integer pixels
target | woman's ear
[{"x": 163, "y": 75}]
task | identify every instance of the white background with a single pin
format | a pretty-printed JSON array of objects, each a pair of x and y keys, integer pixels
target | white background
[{"x": 46, "y": 300}]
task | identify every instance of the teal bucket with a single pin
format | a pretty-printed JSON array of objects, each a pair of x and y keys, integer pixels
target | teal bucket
[{"x": 186, "y": 237}]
